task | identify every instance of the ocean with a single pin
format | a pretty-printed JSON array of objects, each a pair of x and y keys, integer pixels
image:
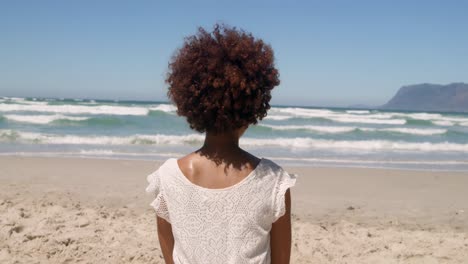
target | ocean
[{"x": 311, "y": 136}]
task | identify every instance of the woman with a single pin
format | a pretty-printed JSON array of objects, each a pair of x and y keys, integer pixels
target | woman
[{"x": 221, "y": 204}]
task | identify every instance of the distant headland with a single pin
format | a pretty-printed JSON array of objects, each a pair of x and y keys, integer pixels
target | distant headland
[{"x": 430, "y": 97}]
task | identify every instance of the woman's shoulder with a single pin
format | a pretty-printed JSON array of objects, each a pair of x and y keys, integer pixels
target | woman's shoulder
[
  {"x": 270, "y": 167},
  {"x": 168, "y": 163},
  {"x": 165, "y": 167},
  {"x": 271, "y": 164},
  {"x": 272, "y": 171}
]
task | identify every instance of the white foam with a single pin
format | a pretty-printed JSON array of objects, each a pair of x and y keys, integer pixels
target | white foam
[
  {"x": 366, "y": 120},
  {"x": 436, "y": 119},
  {"x": 34, "y": 102},
  {"x": 168, "y": 108},
  {"x": 302, "y": 112},
  {"x": 376, "y": 118},
  {"x": 278, "y": 117},
  {"x": 42, "y": 119},
  {"x": 76, "y": 109},
  {"x": 320, "y": 129},
  {"x": 451, "y": 121},
  {"x": 15, "y": 98},
  {"x": 101, "y": 140},
  {"x": 365, "y": 116},
  {"x": 362, "y": 145},
  {"x": 21, "y": 101},
  {"x": 421, "y": 116},
  {"x": 442, "y": 123},
  {"x": 416, "y": 131},
  {"x": 346, "y": 129},
  {"x": 455, "y": 119},
  {"x": 359, "y": 112},
  {"x": 299, "y": 142}
]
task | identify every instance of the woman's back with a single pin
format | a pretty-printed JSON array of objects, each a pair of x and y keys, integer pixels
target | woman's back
[
  {"x": 217, "y": 174},
  {"x": 221, "y": 225}
]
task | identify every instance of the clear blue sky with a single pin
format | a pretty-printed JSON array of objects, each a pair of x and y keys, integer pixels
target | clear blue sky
[{"x": 328, "y": 52}]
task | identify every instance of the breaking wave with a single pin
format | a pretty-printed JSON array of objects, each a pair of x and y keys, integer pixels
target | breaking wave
[
  {"x": 196, "y": 139},
  {"x": 345, "y": 129},
  {"x": 42, "y": 119}
]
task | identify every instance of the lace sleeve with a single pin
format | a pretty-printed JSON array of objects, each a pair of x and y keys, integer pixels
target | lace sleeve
[
  {"x": 159, "y": 203},
  {"x": 284, "y": 182}
]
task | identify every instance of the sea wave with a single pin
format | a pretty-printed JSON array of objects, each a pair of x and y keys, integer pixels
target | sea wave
[
  {"x": 359, "y": 112},
  {"x": 168, "y": 108},
  {"x": 442, "y": 122},
  {"x": 375, "y": 118},
  {"x": 356, "y": 145},
  {"x": 70, "y": 106},
  {"x": 301, "y": 112},
  {"x": 319, "y": 129},
  {"x": 42, "y": 119},
  {"x": 196, "y": 139},
  {"x": 455, "y": 119},
  {"x": 105, "y": 153},
  {"x": 92, "y": 121},
  {"x": 85, "y": 107},
  {"x": 43, "y": 138},
  {"x": 366, "y": 116},
  {"x": 21, "y": 101},
  {"x": 414, "y": 122},
  {"x": 343, "y": 118},
  {"x": 278, "y": 117},
  {"x": 347, "y": 129},
  {"x": 412, "y": 131},
  {"x": 366, "y": 120},
  {"x": 76, "y": 109},
  {"x": 420, "y": 116}
]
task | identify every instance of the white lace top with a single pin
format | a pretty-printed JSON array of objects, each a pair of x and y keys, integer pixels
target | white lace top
[{"x": 229, "y": 225}]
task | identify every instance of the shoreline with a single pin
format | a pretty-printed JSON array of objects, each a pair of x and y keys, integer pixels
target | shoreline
[
  {"x": 87, "y": 210},
  {"x": 323, "y": 165}
]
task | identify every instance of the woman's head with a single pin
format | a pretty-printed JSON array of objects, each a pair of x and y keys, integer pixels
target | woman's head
[{"x": 222, "y": 80}]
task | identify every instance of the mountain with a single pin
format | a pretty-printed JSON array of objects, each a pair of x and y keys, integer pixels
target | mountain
[{"x": 430, "y": 97}]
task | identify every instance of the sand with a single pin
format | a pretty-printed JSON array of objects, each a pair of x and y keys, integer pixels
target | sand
[{"x": 71, "y": 210}]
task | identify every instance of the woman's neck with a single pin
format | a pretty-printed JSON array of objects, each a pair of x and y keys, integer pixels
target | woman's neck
[
  {"x": 220, "y": 143},
  {"x": 223, "y": 148}
]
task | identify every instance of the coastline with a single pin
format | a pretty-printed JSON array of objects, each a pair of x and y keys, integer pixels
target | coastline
[{"x": 95, "y": 210}]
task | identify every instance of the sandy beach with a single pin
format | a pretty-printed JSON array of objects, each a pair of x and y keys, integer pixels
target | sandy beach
[{"x": 72, "y": 210}]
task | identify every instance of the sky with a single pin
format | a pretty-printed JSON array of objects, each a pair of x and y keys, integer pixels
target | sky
[{"x": 329, "y": 53}]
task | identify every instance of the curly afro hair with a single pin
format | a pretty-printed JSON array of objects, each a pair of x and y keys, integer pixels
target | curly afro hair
[{"x": 222, "y": 80}]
